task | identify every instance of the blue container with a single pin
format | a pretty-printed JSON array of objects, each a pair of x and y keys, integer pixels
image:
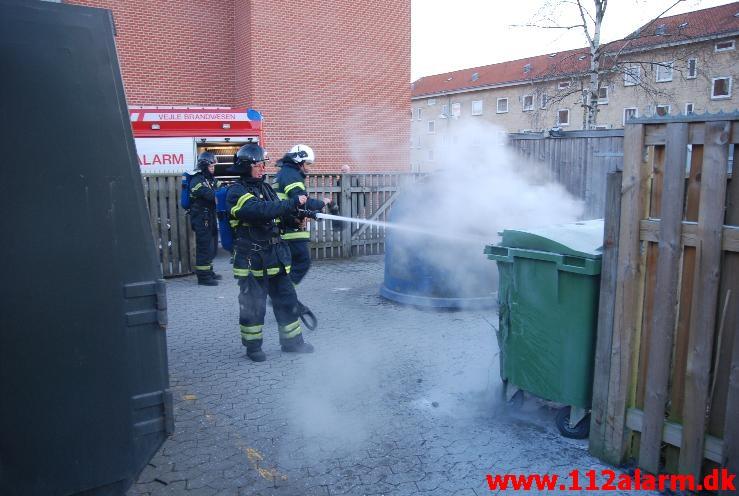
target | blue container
[
  {"x": 430, "y": 271},
  {"x": 224, "y": 228}
]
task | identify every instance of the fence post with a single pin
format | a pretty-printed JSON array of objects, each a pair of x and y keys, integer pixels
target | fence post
[{"x": 346, "y": 211}]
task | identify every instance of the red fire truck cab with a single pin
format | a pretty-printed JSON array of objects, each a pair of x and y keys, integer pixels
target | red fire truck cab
[{"x": 168, "y": 139}]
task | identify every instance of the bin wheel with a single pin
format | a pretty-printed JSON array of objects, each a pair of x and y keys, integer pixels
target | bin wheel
[
  {"x": 580, "y": 431},
  {"x": 516, "y": 401}
]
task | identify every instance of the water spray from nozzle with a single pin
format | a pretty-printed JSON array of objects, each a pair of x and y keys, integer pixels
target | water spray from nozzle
[{"x": 407, "y": 228}]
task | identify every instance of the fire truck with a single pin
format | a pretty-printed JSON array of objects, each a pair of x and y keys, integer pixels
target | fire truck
[{"x": 168, "y": 139}]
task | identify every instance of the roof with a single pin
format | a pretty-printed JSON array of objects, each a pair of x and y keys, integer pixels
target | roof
[{"x": 679, "y": 28}]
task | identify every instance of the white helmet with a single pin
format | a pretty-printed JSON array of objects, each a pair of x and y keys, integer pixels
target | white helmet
[{"x": 302, "y": 154}]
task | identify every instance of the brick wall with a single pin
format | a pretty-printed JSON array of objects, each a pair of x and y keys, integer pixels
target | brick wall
[
  {"x": 331, "y": 74},
  {"x": 172, "y": 55}
]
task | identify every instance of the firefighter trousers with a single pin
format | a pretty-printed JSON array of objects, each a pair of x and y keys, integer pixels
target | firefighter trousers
[
  {"x": 300, "y": 254},
  {"x": 253, "y": 293},
  {"x": 204, "y": 224}
]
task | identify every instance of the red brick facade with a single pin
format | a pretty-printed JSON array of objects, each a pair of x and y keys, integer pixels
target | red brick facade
[{"x": 331, "y": 74}]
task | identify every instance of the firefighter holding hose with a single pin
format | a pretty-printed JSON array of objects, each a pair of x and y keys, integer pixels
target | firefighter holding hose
[{"x": 261, "y": 258}]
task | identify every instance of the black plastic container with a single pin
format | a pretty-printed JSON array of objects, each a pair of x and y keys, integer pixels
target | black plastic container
[{"x": 84, "y": 400}]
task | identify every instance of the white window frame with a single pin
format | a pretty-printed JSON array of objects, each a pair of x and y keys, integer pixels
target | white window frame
[
  {"x": 559, "y": 122},
  {"x": 636, "y": 113},
  {"x": 661, "y": 105},
  {"x": 662, "y": 69},
  {"x": 456, "y": 109},
  {"x": 418, "y": 113},
  {"x": 713, "y": 88},
  {"x": 543, "y": 101},
  {"x": 603, "y": 101},
  {"x": 563, "y": 85},
  {"x": 527, "y": 108},
  {"x": 632, "y": 75},
  {"x": 695, "y": 69},
  {"x": 479, "y": 111},
  {"x": 431, "y": 101},
  {"x": 445, "y": 110},
  {"x": 692, "y": 108},
  {"x": 431, "y": 127},
  {"x": 732, "y": 46},
  {"x": 497, "y": 105}
]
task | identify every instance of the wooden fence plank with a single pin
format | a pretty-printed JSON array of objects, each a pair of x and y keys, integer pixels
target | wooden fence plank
[
  {"x": 731, "y": 426},
  {"x": 633, "y": 194},
  {"x": 665, "y": 298},
  {"x": 729, "y": 288},
  {"x": 705, "y": 295},
  {"x": 609, "y": 269},
  {"x": 649, "y": 231},
  {"x": 174, "y": 234}
]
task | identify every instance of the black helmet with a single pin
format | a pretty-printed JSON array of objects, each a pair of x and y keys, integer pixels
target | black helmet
[
  {"x": 205, "y": 159},
  {"x": 247, "y": 156}
]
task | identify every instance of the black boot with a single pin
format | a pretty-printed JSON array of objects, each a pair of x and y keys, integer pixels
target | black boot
[
  {"x": 254, "y": 351},
  {"x": 206, "y": 279},
  {"x": 215, "y": 276},
  {"x": 296, "y": 345}
]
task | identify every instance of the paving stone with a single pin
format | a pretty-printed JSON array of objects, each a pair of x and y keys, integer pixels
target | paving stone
[{"x": 395, "y": 400}]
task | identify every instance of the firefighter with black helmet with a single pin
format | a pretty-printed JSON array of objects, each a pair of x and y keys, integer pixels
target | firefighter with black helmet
[
  {"x": 203, "y": 221},
  {"x": 261, "y": 257},
  {"x": 289, "y": 183}
]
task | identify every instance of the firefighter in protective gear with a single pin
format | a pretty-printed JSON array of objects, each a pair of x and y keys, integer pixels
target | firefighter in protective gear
[
  {"x": 290, "y": 183},
  {"x": 203, "y": 218},
  {"x": 261, "y": 257}
]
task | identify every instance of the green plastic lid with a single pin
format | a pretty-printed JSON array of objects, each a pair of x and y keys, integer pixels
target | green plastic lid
[{"x": 579, "y": 239}]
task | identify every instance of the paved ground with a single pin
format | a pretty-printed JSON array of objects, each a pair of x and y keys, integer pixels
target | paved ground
[{"x": 395, "y": 401}]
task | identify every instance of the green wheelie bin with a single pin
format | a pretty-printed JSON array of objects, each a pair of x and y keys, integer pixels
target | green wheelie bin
[{"x": 549, "y": 281}]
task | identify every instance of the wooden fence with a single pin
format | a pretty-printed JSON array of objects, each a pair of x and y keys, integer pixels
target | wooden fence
[
  {"x": 666, "y": 387},
  {"x": 365, "y": 196},
  {"x": 579, "y": 160}
]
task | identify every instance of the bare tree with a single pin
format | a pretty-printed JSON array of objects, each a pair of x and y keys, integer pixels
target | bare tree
[{"x": 622, "y": 60}]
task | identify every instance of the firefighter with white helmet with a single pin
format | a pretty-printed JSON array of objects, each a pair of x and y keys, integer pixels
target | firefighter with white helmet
[{"x": 290, "y": 183}]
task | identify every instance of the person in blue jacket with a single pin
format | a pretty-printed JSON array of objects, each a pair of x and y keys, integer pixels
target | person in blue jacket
[
  {"x": 290, "y": 183},
  {"x": 203, "y": 218},
  {"x": 261, "y": 257}
]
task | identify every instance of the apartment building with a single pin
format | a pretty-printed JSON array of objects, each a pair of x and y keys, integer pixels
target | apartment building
[{"x": 686, "y": 63}]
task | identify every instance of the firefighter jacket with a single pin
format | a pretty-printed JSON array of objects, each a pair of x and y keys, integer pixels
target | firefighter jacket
[
  {"x": 255, "y": 212},
  {"x": 203, "y": 192},
  {"x": 289, "y": 183}
]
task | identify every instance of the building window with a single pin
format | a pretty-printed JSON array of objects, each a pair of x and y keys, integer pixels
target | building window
[
  {"x": 689, "y": 108},
  {"x": 630, "y": 113},
  {"x": 563, "y": 117},
  {"x": 475, "y": 77},
  {"x": 661, "y": 110},
  {"x": 663, "y": 72},
  {"x": 603, "y": 95},
  {"x": 456, "y": 109},
  {"x": 692, "y": 69},
  {"x": 528, "y": 102},
  {"x": 418, "y": 113},
  {"x": 476, "y": 107},
  {"x": 445, "y": 110},
  {"x": 432, "y": 127},
  {"x": 431, "y": 101},
  {"x": 502, "y": 106},
  {"x": 431, "y": 155},
  {"x": 563, "y": 85},
  {"x": 721, "y": 88},
  {"x": 632, "y": 75},
  {"x": 544, "y": 101},
  {"x": 724, "y": 46}
]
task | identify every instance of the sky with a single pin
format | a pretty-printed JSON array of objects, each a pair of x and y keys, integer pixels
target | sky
[{"x": 448, "y": 35}]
